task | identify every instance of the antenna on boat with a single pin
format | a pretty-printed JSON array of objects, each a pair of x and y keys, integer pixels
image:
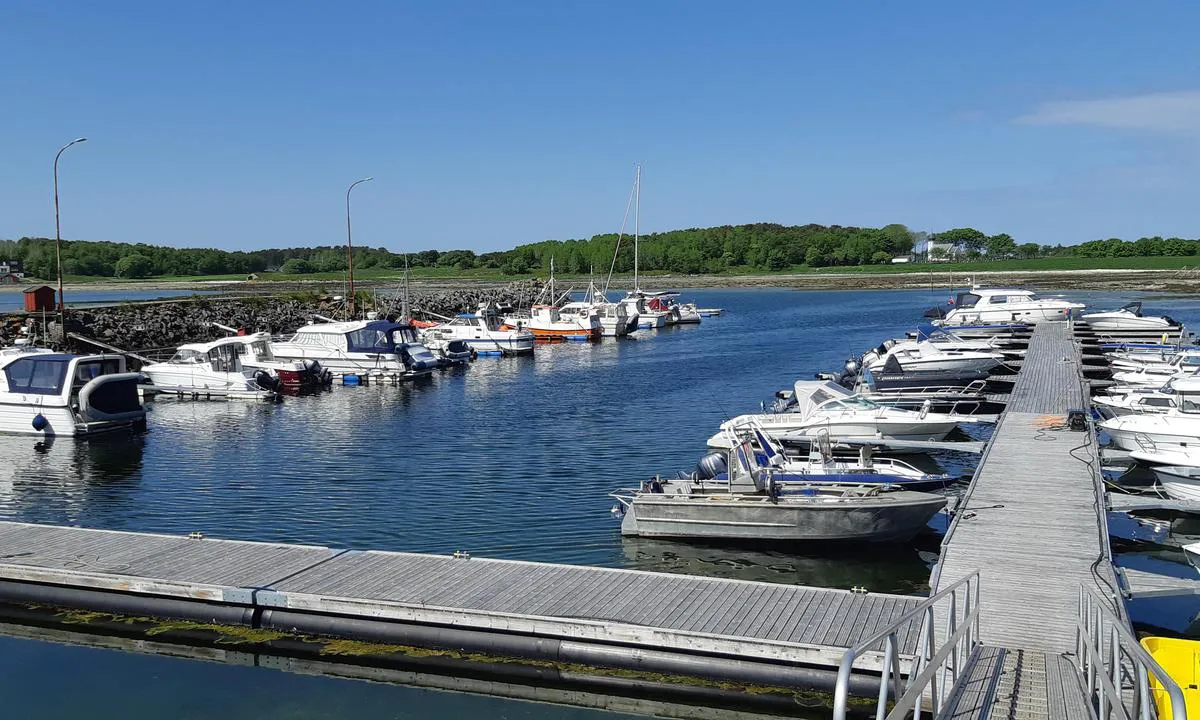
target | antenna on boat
[
  {"x": 637, "y": 216},
  {"x": 617, "y": 249},
  {"x": 405, "y": 308}
]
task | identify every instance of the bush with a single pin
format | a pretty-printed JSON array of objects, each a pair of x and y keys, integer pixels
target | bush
[
  {"x": 134, "y": 266},
  {"x": 296, "y": 266}
]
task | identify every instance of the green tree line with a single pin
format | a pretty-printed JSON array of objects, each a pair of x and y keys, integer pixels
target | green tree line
[{"x": 759, "y": 246}]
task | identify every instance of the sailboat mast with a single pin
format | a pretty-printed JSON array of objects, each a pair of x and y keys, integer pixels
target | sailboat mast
[{"x": 637, "y": 215}]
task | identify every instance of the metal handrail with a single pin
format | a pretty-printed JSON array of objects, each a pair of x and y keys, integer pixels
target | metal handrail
[
  {"x": 1111, "y": 659},
  {"x": 937, "y": 667}
]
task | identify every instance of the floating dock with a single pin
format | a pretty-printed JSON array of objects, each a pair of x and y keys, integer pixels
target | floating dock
[
  {"x": 1032, "y": 523},
  {"x": 719, "y": 629}
]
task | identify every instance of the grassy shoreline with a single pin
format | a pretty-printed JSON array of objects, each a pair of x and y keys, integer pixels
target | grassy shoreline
[{"x": 1145, "y": 273}]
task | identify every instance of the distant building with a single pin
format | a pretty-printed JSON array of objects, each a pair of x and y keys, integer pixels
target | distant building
[
  {"x": 40, "y": 299},
  {"x": 13, "y": 268},
  {"x": 937, "y": 251}
]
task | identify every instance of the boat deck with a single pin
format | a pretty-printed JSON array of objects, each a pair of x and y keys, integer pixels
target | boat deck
[
  {"x": 1031, "y": 523},
  {"x": 718, "y": 620}
]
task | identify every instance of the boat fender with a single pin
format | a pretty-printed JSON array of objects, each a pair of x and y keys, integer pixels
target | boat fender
[{"x": 40, "y": 422}]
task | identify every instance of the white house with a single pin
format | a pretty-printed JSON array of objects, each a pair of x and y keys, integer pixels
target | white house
[{"x": 938, "y": 251}]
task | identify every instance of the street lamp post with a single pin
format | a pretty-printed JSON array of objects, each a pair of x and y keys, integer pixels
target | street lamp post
[
  {"x": 58, "y": 235},
  {"x": 350, "y": 245}
]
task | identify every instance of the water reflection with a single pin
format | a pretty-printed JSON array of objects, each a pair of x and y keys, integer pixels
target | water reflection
[
  {"x": 903, "y": 570},
  {"x": 58, "y": 480}
]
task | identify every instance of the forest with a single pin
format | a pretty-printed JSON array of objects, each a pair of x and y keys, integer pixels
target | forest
[{"x": 759, "y": 246}]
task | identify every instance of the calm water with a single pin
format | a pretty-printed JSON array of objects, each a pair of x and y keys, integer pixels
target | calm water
[{"x": 506, "y": 458}]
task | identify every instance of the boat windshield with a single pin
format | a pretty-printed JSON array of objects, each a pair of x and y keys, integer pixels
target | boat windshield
[
  {"x": 369, "y": 339},
  {"x": 185, "y": 356},
  {"x": 38, "y": 374},
  {"x": 1189, "y": 404},
  {"x": 405, "y": 335},
  {"x": 852, "y": 403},
  {"x": 224, "y": 358},
  {"x": 262, "y": 350}
]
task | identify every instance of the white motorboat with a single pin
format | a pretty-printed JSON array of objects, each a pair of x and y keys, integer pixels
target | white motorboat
[
  {"x": 949, "y": 340},
  {"x": 1153, "y": 364},
  {"x": 1128, "y": 317},
  {"x": 915, "y": 356},
  {"x": 215, "y": 367},
  {"x": 667, "y": 301},
  {"x": 361, "y": 347},
  {"x": 481, "y": 330},
  {"x": 1179, "y": 482},
  {"x": 1137, "y": 401},
  {"x": 275, "y": 374},
  {"x": 820, "y": 465},
  {"x": 636, "y": 305},
  {"x": 616, "y": 319},
  {"x": 1176, "y": 428},
  {"x": 996, "y": 306},
  {"x": 1168, "y": 430},
  {"x": 57, "y": 394},
  {"x": 1181, "y": 367},
  {"x": 826, "y": 406}
]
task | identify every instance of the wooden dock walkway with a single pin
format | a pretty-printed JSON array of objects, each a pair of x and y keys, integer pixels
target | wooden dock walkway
[
  {"x": 1032, "y": 524},
  {"x": 713, "y": 623}
]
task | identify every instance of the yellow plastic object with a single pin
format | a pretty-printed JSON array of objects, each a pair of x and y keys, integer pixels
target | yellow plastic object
[{"x": 1181, "y": 660}]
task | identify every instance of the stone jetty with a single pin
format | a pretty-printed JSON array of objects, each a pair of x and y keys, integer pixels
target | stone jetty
[{"x": 166, "y": 324}]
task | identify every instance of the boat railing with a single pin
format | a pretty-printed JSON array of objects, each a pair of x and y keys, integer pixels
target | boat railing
[
  {"x": 940, "y": 660},
  {"x": 1116, "y": 669},
  {"x": 1144, "y": 442}
]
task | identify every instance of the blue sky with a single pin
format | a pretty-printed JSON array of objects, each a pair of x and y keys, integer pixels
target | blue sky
[{"x": 489, "y": 124}]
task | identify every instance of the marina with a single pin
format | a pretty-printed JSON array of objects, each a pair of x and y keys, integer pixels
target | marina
[{"x": 732, "y": 629}]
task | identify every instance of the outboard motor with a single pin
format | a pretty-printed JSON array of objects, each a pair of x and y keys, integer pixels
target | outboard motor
[
  {"x": 266, "y": 380},
  {"x": 320, "y": 375},
  {"x": 937, "y": 312},
  {"x": 853, "y": 364},
  {"x": 711, "y": 465}
]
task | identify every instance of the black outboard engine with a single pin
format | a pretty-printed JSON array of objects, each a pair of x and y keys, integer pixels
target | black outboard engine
[
  {"x": 318, "y": 375},
  {"x": 711, "y": 465},
  {"x": 266, "y": 380},
  {"x": 937, "y": 312}
]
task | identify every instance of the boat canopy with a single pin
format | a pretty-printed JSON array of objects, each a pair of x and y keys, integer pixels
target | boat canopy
[
  {"x": 51, "y": 373},
  {"x": 379, "y": 336},
  {"x": 811, "y": 393},
  {"x": 966, "y": 300},
  {"x": 925, "y": 332},
  {"x": 41, "y": 374}
]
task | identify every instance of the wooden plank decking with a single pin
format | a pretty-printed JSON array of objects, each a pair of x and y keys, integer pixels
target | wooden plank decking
[
  {"x": 1031, "y": 524},
  {"x": 677, "y": 613}
]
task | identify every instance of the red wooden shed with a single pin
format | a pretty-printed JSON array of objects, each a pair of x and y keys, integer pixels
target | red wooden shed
[{"x": 39, "y": 298}]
